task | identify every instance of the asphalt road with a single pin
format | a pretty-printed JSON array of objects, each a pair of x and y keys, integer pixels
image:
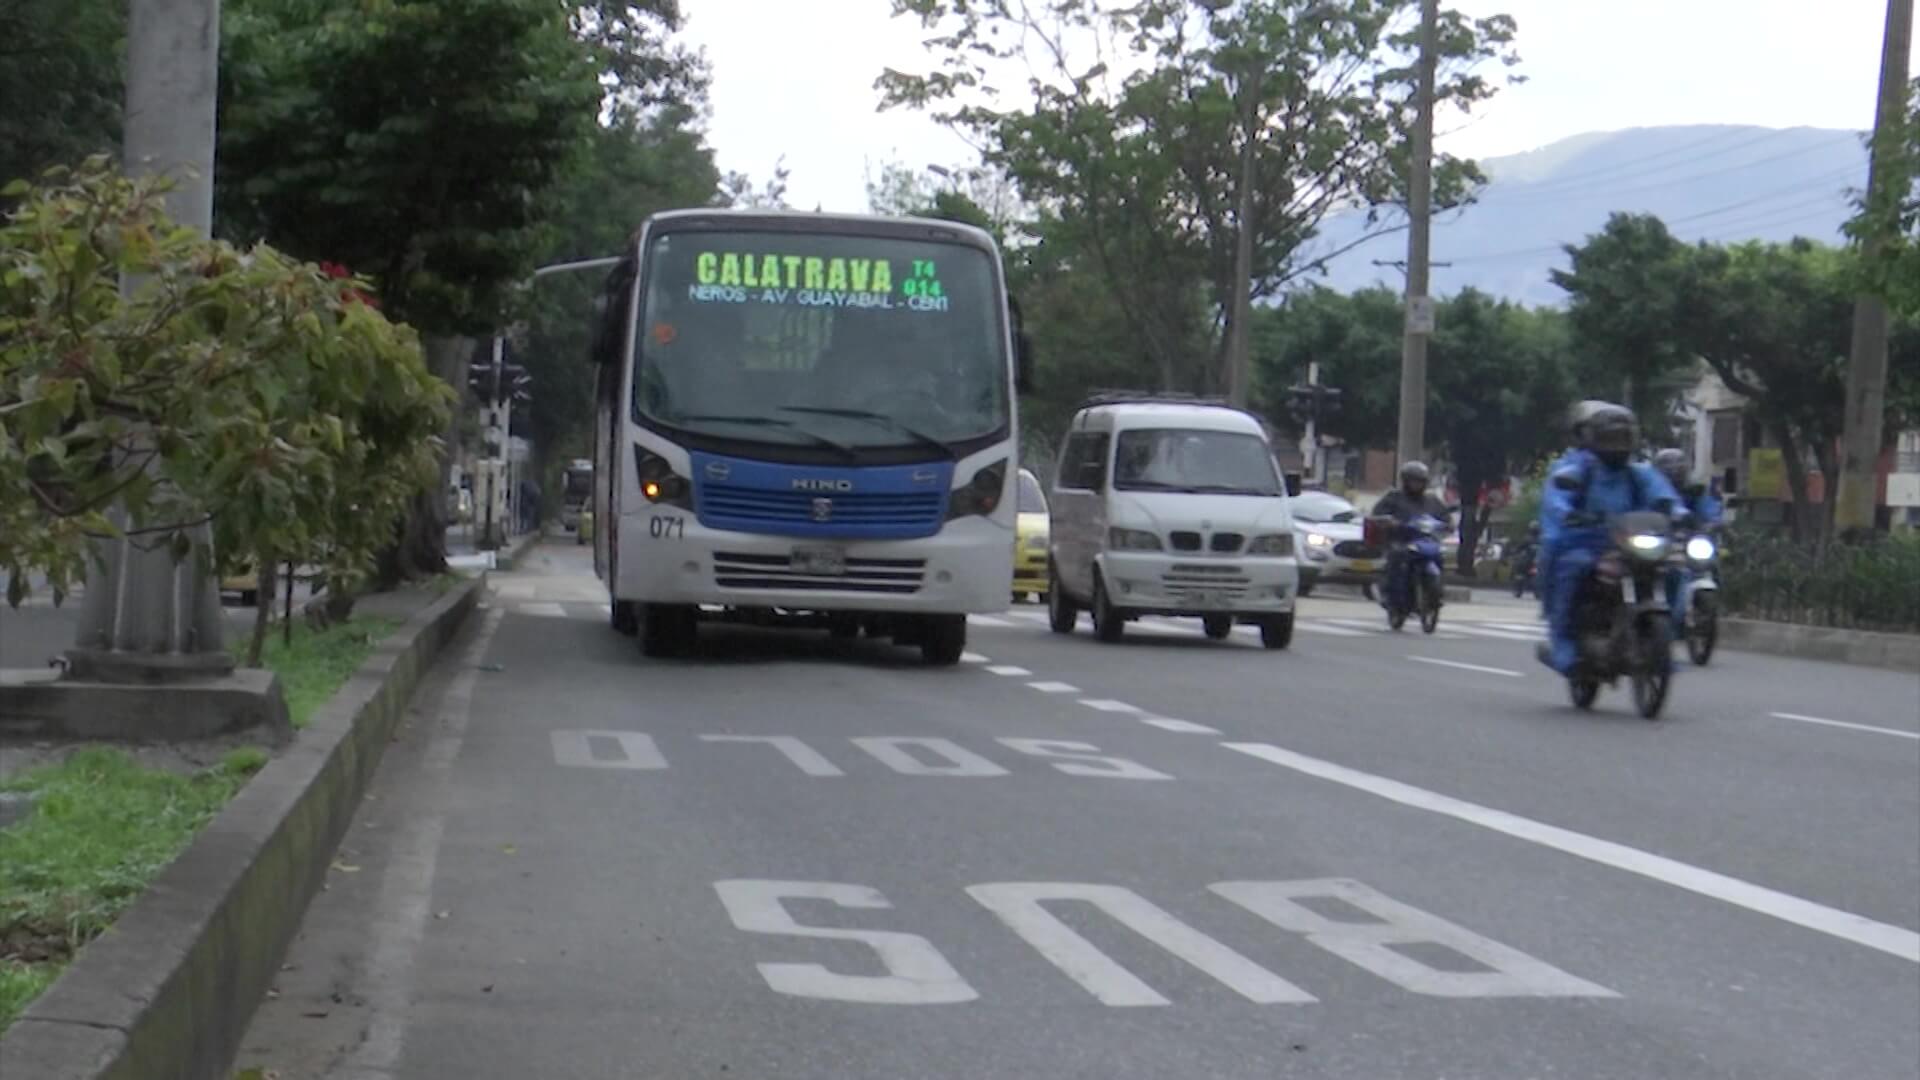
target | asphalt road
[{"x": 1373, "y": 856}]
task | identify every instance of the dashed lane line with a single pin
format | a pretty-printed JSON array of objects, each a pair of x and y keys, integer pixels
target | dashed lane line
[
  {"x": 1849, "y": 725},
  {"x": 1481, "y": 668},
  {"x": 1009, "y": 670}
]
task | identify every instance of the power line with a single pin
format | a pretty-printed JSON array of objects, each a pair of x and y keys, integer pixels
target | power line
[
  {"x": 1535, "y": 195},
  {"x": 1635, "y": 163}
]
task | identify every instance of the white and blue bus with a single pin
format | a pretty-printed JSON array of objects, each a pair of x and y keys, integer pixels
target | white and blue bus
[{"x": 806, "y": 417}]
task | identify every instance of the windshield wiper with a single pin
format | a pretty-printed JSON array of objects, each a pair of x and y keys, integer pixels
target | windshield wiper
[
  {"x": 1228, "y": 489},
  {"x": 884, "y": 420},
  {"x": 771, "y": 421}
]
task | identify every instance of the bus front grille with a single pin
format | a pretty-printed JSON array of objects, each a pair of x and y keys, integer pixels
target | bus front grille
[
  {"x": 735, "y": 570},
  {"x": 799, "y": 513}
]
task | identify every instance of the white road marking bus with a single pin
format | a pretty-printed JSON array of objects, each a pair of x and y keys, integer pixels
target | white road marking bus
[{"x": 806, "y": 417}]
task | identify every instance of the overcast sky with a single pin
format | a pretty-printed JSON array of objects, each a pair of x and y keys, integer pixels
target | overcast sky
[{"x": 795, "y": 78}]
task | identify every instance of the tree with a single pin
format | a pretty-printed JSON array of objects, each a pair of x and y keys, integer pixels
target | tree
[
  {"x": 60, "y": 78},
  {"x": 640, "y": 161},
  {"x": 416, "y": 142},
  {"x": 258, "y": 387},
  {"x": 1631, "y": 312},
  {"x": 1501, "y": 384},
  {"x": 1500, "y": 380},
  {"x": 1138, "y": 160}
]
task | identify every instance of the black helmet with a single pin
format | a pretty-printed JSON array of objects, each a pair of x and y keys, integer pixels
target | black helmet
[
  {"x": 1414, "y": 476},
  {"x": 1674, "y": 464},
  {"x": 1612, "y": 434}
]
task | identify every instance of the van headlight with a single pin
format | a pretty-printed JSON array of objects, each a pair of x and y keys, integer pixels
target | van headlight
[
  {"x": 1281, "y": 543},
  {"x": 1119, "y": 539},
  {"x": 1701, "y": 549},
  {"x": 1314, "y": 540}
]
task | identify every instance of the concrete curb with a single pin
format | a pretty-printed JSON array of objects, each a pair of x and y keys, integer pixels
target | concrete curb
[
  {"x": 1900, "y": 652},
  {"x": 510, "y": 559},
  {"x": 169, "y": 990}
]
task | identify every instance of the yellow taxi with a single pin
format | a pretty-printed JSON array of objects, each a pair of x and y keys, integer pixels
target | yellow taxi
[{"x": 1030, "y": 540}]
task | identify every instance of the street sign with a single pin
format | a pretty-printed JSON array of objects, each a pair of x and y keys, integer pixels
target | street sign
[{"x": 1419, "y": 314}]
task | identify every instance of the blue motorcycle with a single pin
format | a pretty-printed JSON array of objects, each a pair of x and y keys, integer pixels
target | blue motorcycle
[{"x": 1420, "y": 561}]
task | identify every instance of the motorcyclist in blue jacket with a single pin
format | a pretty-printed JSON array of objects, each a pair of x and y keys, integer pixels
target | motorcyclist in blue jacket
[
  {"x": 1703, "y": 512},
  {"x": 1577, "y": 418},
  {"x": 1604, "y": 481}
]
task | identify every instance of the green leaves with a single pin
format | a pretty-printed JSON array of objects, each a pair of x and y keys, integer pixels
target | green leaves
[{"x": 235, "y": 383}]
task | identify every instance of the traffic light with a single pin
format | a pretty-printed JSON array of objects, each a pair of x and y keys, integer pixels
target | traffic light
[{"x": 1312, "y": 401}]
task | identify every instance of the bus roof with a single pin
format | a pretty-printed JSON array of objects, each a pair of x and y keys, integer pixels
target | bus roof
[{"x": 804, "y": 221}]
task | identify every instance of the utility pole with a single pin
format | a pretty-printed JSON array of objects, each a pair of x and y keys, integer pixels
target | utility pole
[
  {"x": 1413, "y": 356},
  {"x": 147, "y": 616},
  {"x": 1867, "y": 366},
  {"x": 1239, "y": 334}
]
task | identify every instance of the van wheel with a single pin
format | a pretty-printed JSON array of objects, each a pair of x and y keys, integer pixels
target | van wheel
[
  {"x": 1276, "y": 631},
  {"x": 668, "y": 629},
  {"x": 1218, "y": 627},
  {"x": 1061, "y": 612},
  {"x": 1108, "y": 625},
  {"x": 944, "y": 638}
]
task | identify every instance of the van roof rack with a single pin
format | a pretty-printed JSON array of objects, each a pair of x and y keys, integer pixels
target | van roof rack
[{"x": 1150, "y": 397}]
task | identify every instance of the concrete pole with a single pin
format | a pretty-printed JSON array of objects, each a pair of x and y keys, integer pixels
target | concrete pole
[
  {"x": 1413, "y": 357},
  {"x": 1867, "y": 366},
  {"x": 147, "y": 616}
]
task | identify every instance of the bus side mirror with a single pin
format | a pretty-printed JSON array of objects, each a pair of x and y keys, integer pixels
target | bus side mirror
[{"x": 1023, "y": 363}]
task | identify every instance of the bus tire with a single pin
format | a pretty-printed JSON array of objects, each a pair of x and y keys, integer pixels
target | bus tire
[
  {"x": 668, "y": 630},
  {"x": 943, "y": 639},
  {"x": 625, "y": 617}
]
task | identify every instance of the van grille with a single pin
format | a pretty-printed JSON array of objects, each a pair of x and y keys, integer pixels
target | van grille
[{"x": 1223, "y": 579}]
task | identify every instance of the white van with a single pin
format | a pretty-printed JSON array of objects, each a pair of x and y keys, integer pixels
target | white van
[{"x": 1170, "y": 506}]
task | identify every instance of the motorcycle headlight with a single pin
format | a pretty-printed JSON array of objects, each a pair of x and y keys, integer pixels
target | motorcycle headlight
[
  {"x": 1701, "y": 549},
  {"x": 1648, "y": 545},
  {"x": 1282, "y": 543},
  {"x": 981, "y": 495},
  {"x": 1119, "y": 539}
]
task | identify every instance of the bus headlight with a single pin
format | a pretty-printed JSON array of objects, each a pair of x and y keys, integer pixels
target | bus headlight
[
  {"x": 981, "y": 495},
  {"x": 658, "y": 482}
]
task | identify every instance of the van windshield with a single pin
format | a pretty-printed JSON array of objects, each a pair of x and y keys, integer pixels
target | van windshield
[{"x": 1194, "y": 461}]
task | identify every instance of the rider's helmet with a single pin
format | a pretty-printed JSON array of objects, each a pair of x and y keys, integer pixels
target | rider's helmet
[
  {"x": 1578, "y": 418},
  {"x": 1612, "y": 434},
  {"x": 1675, "y": 466},
  {"x": 1413, "y": 478}
]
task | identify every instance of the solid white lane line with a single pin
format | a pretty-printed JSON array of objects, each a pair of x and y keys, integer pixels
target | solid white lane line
[
  {"x": 1483, "y": 631},
  {"x": 1846, "y": 724},
  {"x": 974, "y": 658},
  {"x": 1311, "y": 627},
  {"x": 1893, "y": 940},
  {"x": 545, "y": 609},
  {"x": 1107, "y": 705},
  {"x": 1008, "y": 669},
  {"x": 1184, "y": 727},
  {"x": 1054, "y": 687},
  {"x": 1468, "y": 667},
  {"x": 987, "y": 620}
]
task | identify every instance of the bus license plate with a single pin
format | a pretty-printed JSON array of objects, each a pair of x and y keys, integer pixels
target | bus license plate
[{"x": 820, "y": 562}]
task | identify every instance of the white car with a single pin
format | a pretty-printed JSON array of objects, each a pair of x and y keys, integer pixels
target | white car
[
  {"x": 1328, "y": 533},
  {"x": 1170, "y": 506}
]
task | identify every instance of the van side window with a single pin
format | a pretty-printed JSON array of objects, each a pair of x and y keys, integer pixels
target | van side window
[{"x": 1083, "y": 462}]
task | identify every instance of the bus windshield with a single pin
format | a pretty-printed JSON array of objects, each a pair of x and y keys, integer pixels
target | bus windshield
[{"x": 821, "y": 339}]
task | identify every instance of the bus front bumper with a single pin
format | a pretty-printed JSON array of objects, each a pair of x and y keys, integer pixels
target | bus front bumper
[{"x": 962, "y": 569}]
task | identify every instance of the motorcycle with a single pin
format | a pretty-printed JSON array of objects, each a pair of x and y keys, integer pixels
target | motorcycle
[
  {"x": 1700, "y": 611},
  {"x": 1420, "y": 541},
  {"x": 1621, "y": 619},
  {"x": 1526, "y": 571}
]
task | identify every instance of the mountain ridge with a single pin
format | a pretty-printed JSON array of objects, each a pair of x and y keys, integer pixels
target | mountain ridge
[{"x": 1717, "y": 182}]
